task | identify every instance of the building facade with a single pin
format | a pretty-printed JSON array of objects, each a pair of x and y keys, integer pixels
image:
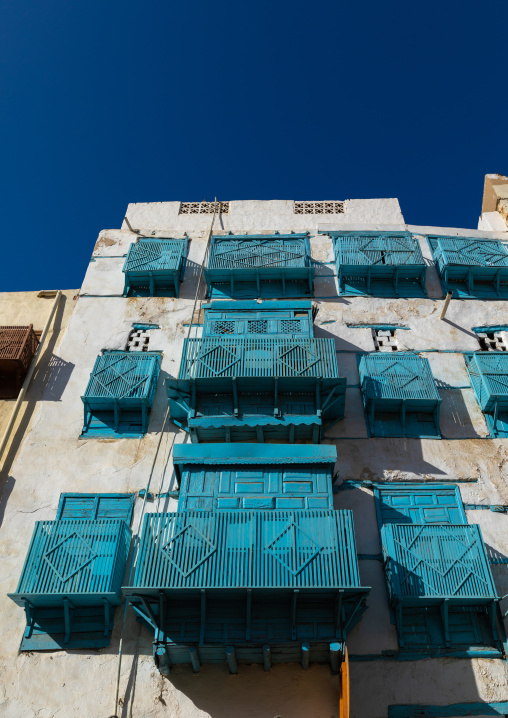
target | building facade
[
  {"x": 23, "y": 316},
  {"x": 270, "y": 452}
]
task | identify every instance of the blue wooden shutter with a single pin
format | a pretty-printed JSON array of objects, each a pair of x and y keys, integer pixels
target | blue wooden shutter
[
  {"x": 96, "y": 506},
  {"x": 419, "y": 504},
  {"x": 255, "y": 487}
]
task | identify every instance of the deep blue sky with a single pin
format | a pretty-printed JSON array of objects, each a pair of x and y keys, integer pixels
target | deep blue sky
[{"x": 108, "y": 102}]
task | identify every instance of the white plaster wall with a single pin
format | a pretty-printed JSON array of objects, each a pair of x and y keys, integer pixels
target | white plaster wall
[
  {"x": 23, "y": 309},
  {"x": 493, "y": 222},
  {"x": 258, "y": 215},
  {"x": 53, "y": 459}
]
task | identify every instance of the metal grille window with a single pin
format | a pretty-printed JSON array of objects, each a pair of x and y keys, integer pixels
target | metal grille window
[
  {"x": 385, "y": 340},
  {"x": 319, "y": 207},
  {"x": 257, "y": 326},
  {"x": 203, "y": 207}
]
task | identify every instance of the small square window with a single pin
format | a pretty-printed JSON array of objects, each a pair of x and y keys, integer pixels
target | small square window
[
  {"x": 493, "y": 341},
  {"x": 138, "y": 340},
  {"x": 385, "y": 340}
]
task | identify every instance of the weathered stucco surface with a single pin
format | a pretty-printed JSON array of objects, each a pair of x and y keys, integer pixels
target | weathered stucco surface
[
  {"x": 52, "y": 459},
  {"x": 23, "y": 309}
]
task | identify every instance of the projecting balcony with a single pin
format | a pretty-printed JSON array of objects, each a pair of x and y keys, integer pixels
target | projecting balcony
[
  {"x": 380, "y": 264},
  {"x": 488, "y": 372},
  {"x": 254, "y": 476},
  {"x": 120, "y": 394},
  {"x": 255, "y": 266},
  {"x": 71, "y": 581},
  {"x": 243, "y": 585},
  {"x": 257, "y": 389},
  {"x": 440, "y": 586},
  {"x": 155, "y": 267},
  {"x": 471, "y": 268},
  {"x": 399, "y": 395},
  {"x": 17, "y": 348},
  {"x": 283, "y": 319}
]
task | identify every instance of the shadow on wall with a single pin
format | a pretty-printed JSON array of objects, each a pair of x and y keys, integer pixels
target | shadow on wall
[
  {"x": 460, "y": 328},
  {"x": 495, "y": 556},
  {"x": 48, "y": 384},
  {"x": 7, "y": 487},
  {"x": 340, "y": 343},
  {"x": 189, "y": 283},
  {"x": 54, "y": 376},
  {"x": 394, "y": 458},
  {"x": 455, "y": 418},
  {"x": 286, "y": 691},
  {"x": 325, "y": 282},
  {"x": 160, "y": 406}
]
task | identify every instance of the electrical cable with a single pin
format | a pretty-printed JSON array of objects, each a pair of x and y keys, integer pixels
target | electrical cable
[
  {"x": 133, "y": 555},
  {"x": 138, "y": 530}
]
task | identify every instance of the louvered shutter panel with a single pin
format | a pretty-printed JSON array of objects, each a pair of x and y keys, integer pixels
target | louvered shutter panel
[
  {"x": 96, "y": 506},
  {"x": 419, "y": 505}
]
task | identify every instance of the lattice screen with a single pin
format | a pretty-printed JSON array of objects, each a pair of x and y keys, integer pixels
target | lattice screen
[
  {"x": 290, "y": 326},
  {"x": 257, "y": 326},
  {"x": 203, "y": 207},
  {"x": 319, "y": 207},
  {"x": 224, "y": 326}
]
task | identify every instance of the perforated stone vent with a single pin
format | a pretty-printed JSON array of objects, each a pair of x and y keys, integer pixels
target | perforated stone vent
[
  {"x": 203, "y": 207},
  {"x": 493, "y": 341},
  {"x": 138, "y": 340},
  {"x": 319, "y": 207},
  {"x": 385, "y": 340}
]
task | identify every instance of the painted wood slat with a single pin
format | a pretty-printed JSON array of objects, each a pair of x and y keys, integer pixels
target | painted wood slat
[
  {"x": 379, "y": 264},
  {"x": 399, "y": 395},
  {"x": 448, "y": 711},
  {"x": 74, "y": 558},
  {"x": 155, "y": 267},
  {"x": 120, "y": 392},
  {"x": 419, "y": 504},
  {"x": 471, "y": 267},
  {"x": 258, "y": 549},
  {"x": 96, "y": 506}
]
